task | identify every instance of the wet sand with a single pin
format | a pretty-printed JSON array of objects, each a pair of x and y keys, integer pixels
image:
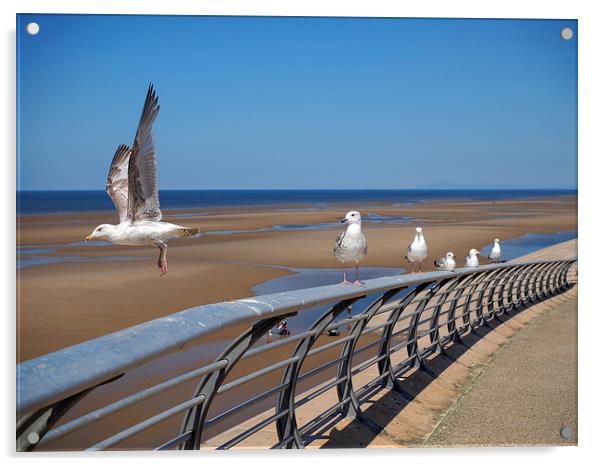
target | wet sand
[{"x": 65, "y": 303}]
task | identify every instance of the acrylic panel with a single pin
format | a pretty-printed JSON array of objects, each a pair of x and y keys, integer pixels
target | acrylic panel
[{"x": 295, "y": 232}]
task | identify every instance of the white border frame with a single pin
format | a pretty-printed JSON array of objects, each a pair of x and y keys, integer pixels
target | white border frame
[{"x": 589, "y": 173}]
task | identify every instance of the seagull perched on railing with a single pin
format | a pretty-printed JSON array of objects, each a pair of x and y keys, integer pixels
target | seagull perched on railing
[
  {"x": 417, "y": 250},
  {"x": 448, "y": 262},
  {"x": 472, "y": 260},
  {"x": 496, "y": 251},
  {"x": 351, "y": 245},
  {"x": 132, "y": 185}
]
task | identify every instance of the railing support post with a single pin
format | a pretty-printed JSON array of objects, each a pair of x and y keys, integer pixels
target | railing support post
[
  {"x": 286, "y": 426},
  {"x": 345, "y": 387},
  {"x": 434, "y": 325},
  {"x": 194, "y": 420},
  {"x": 385, "y": 365}
]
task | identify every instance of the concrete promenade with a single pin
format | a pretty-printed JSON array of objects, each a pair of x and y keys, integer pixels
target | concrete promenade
[
  {"x": 512, "y": 383},
  {"x": 528, "y": 391}
]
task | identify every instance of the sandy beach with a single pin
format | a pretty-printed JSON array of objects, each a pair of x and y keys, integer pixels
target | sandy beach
[{"x": 107, "y": 288}]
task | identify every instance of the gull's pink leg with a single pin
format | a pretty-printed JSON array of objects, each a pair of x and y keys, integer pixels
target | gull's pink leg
[
  {"x": 164, "y": 268},
  {"x": 344, "y": 282},
  {"x": 162, "y": 262},
  {"x": 357, "y": 281}
]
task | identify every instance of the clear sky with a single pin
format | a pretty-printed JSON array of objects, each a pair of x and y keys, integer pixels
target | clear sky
[{"x": 276, "y": 103}]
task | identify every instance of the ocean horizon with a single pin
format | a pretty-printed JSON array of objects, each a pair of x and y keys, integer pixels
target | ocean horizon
[{"x": 55, "y": 201}]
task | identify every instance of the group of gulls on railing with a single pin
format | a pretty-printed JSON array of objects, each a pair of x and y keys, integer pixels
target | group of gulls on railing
[
  {"x": 351, "y": 247},
  {"x": 132, "y": 186}
]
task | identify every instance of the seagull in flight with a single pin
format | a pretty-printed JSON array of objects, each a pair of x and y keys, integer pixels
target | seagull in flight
[
  {"x": 132, "y": 186},
  {"x": 351, "y": 245},
  {"x": 417, "y": 250}
]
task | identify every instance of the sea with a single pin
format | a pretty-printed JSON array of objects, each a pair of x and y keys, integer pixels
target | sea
[{"x": 55, "y": 202}]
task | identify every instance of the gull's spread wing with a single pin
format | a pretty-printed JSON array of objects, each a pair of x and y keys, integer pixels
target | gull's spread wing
[
  {"x": 143, "y": 200},
  {"x": 117, "y": 181}
]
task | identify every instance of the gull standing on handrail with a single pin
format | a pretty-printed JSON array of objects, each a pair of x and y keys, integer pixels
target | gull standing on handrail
[
  {"x": 351, "y": 245},
  {"x": 448, "y": 262},
  {"x": 472, "y": 260},
  {"x": 417, "y": 250},
  {"x": 496, "y": 251}
]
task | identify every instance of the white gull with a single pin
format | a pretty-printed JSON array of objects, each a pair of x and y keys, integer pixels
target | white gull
[
  {"x": 417, "y": 249},
  {"x": 496, "y": 251},
  {"x": 448, "y": 262},
  {"x": 351, "y": 246},
  {"x": 132, "y": 185},
  {"x": 472, "y": 260}
]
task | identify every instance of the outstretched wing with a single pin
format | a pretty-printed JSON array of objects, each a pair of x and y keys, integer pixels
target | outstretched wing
[
  {"x": 143, "y": 199},
  {"x": 117, "y": 181}
]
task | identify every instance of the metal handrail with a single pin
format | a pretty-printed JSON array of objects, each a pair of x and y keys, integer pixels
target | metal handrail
[{"x": 443, "y": 305}]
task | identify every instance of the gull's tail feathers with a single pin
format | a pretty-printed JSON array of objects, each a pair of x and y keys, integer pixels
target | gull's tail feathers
[{"x": 188, "y": 232}]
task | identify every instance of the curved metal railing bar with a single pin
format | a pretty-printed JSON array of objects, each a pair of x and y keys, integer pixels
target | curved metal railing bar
[{"x": 408, "y": 317}]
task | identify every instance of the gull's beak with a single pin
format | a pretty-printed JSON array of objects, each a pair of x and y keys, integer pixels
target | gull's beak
[
  {"x": 88, "y": 238},
  {"x": 344, "y": 220}
]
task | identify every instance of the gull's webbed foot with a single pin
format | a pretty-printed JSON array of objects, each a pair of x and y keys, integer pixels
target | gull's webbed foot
[{"x": 163, "y": 268}]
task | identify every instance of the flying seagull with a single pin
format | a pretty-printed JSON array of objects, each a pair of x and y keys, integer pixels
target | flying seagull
[
  {"x": 132, "y": 186},
  {"x": 472, "y": 260},
  {"x": 496, "y": 251},
  {"x": 446, "y": 263},
  {"x": 350, "y": 245},
  {"x": 417, "y": 249}
]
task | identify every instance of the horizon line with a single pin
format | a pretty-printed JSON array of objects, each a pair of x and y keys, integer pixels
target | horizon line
[{"x": 324, "y": 189}]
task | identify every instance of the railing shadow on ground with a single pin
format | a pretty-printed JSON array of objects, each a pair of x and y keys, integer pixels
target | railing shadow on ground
[{"x": 385, "y": 404}]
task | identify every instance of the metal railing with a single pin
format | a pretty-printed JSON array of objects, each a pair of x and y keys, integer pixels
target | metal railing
[{"x": 405, "y": 320}]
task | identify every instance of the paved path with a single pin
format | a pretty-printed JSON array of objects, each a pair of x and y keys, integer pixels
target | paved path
[
  {"x": 566, "y": 250},
  {"x": 527, "y": 393}
]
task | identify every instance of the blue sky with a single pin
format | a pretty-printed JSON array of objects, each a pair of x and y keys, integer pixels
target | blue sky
[{"x": 276, "y": 103}]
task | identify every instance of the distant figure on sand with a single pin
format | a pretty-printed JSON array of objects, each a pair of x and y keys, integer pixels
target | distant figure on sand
[
  {"x": 496, "y": 251},
  {"x": 282, "y": 328},
  {"x": 448, "y": 262},
  {"x": 351, "y": 245},
  {"x": 417, "y": 250},
  {"x": 472, "y": 260},
  {"x": 132, "y": 185}
]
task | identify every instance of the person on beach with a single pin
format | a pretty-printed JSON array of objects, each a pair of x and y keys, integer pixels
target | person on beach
[
  {"x": 417, "y": 250},
  {"x": 282, "y": 328},
  {"x": 351, "y": 246}
]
